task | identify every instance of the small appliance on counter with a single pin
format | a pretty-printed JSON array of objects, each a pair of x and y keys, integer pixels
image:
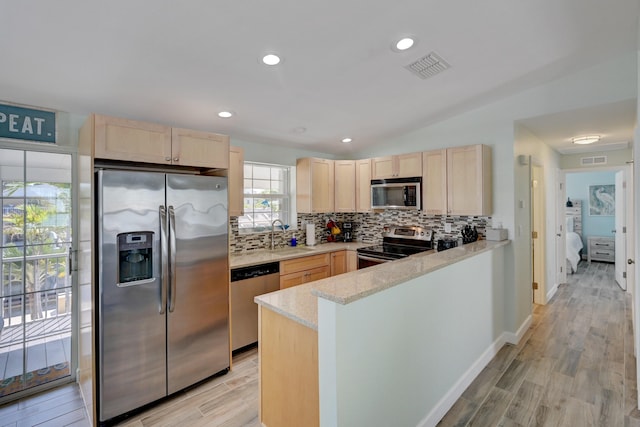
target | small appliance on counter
[
  {"x": 469, "y": 234},
  {"x": 497, "y": 234},
  {"x": 332, "y": 231},
  {"x": 347, "y": 231},
  {"x": 447, "y": 243}
]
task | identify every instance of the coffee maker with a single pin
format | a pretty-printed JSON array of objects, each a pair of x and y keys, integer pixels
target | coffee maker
[{"x": 347, "y": 231}]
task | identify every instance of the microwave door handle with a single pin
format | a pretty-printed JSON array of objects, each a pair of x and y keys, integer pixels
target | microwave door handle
[
  {"x": 172, "y": 255},
  {"x": 165, "y": 259},
  {"x": 405, "y": 190}
]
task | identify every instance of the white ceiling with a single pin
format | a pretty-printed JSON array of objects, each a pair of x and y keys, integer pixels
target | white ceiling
[{"x": 180, "y": 63}]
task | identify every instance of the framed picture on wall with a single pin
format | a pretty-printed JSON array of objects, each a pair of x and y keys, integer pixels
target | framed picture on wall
[{"x": 602, "y": 200}]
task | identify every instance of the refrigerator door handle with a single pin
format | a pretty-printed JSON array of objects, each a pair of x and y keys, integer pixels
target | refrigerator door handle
[
  {"x": 172, "y": 255},
  {"x": 165, "y": 259}
]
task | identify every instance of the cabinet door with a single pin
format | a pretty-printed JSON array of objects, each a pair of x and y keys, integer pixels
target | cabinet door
[
  {"x": 199, "y": 149},
  {"x": 292, "y": 279},
  {"x": 363, "y": 185},
  {"x": 352, "y": 261},
  {"x": 304, "y": 263},
  {"x": 317, "y": 274},
  {"x": 322, "y": 185},
  {"x": 236, "y": 181},
  {"x": 345, "y": 185},
  {"x": 469, "y": 180},
  {"x": 382, "y": 167},
  {"x": 338, "y": 262},
  {"x": 130, "y": 140},
  {"x": 409, "y": 165},
  {"x": 434, "y": 182}
]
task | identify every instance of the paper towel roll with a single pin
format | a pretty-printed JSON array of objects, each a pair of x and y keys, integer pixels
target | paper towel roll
[{"x": 311, "y": 234}]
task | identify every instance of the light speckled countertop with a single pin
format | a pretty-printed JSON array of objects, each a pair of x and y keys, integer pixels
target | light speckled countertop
[
  {"x": 264, "y": 256},
  {"x": 300, "y": 303}
]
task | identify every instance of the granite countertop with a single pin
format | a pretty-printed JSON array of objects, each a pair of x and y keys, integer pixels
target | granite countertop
[
  {"x": 264, "y": 256},
  {"x": 300, "y": 303}
]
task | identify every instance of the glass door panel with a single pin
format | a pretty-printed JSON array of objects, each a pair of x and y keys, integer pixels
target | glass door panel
[{"x": 36, "y": 291}]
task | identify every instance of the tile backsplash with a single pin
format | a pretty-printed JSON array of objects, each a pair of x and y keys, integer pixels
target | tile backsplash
[{"x": 368, "y": 228}]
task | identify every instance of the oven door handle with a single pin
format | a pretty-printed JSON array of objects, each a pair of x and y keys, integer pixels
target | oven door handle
[{"x": 375, "y": 259}]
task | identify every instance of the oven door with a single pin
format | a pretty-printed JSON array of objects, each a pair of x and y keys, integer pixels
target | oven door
[{"x": 365, "y": 261}]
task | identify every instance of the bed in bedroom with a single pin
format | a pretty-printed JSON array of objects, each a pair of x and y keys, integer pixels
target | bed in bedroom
[{"x": 574, "y": 235}]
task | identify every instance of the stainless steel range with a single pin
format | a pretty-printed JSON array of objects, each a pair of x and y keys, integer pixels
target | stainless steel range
[{"x": 397, "y": 242}]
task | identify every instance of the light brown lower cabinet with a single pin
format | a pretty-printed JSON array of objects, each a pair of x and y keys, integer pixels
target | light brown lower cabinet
[
  {"x": 306, "y": 269},
  {"x": 306, "y": 276},
  {"x": 338, "y": 262},
  {"x": 289, "y": 389},
  {"x": 352, "y": 261}
]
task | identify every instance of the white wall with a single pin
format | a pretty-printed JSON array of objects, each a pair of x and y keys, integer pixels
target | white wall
[
  {"x": 403, "y": 356},
  {"x": 493, "y": 124},
  {"x": 274, "y": 154}
]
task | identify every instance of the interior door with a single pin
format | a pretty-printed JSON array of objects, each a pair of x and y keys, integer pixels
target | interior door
[
  {"x": 619, "y": 232},
  {"x": 561, "y": 237}
]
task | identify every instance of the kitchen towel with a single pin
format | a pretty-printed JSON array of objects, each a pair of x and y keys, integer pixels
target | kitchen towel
[{"x": 311, "y": 234}]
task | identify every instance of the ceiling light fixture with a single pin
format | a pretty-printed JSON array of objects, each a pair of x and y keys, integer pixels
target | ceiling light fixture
[
  {"x": 346, "y": 140},
  {"x": 583, "y": 140},
  {"x": 403, "y": 44},
  {"x": 271, "y": 59},
  {"x": 225, "y": 114}
]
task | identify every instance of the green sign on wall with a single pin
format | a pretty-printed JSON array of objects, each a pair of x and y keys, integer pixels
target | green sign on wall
[{"x": 27, "y": 124}]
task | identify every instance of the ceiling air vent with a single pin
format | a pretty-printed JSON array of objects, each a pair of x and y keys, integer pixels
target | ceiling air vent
[
  {"x": 593, "y": 161},
  {"x": 428, "y": 66}
]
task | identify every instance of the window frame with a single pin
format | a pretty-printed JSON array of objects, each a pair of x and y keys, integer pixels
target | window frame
[{"x": 287, "y": 198}]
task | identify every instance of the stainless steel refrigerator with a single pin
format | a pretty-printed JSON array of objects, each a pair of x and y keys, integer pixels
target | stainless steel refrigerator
[{"x": 162, "y": 285}]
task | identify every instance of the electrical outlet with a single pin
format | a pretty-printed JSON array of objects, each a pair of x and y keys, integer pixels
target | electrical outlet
[{"x": 447, "y": 227}]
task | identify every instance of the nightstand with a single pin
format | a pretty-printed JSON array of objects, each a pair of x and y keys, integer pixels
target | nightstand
[{"x": 601, "y": 249}]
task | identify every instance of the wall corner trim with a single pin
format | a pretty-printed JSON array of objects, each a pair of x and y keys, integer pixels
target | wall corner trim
[{"x": 514, "y": 339}]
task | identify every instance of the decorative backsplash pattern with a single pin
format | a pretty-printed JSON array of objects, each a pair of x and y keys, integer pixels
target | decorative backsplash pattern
[{"x": 368, "y": 228}]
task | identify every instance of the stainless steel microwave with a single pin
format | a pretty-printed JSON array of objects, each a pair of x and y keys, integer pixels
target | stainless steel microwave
[{"x": 396, "y": 193}]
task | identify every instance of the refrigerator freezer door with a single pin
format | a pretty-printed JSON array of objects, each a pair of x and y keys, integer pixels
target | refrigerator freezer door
[
  {"x": 198, "y": 319},
  {"x": 131, "y": 328}
]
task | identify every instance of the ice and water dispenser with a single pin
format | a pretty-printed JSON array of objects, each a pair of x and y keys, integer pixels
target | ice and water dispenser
[{"x": 135, "y": 255}]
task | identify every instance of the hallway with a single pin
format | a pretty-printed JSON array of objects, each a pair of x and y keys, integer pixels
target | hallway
[{"x": 574, "y": 367}]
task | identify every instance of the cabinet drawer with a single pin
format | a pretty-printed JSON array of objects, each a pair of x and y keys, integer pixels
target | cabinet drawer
[
  {"x": 300, "y": 277},
  {"x": 304, "y": 263},
  {"x": 601, "y": 244},
  {"x": 603, "y": 255}
]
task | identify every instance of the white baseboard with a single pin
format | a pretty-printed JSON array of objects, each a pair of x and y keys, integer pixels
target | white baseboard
[
  {"x": 449, "y": 399},
  {"x": 514, "y": 339},
  {"x": 551, "y": 293},
  {"x": 443, "y": 406}
]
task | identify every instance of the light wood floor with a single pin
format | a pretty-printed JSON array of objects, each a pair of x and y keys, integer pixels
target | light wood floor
[{"x": 574, "y": 367}]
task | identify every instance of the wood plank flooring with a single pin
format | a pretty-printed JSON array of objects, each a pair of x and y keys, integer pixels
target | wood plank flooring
[{"x": 574, "y": 367}]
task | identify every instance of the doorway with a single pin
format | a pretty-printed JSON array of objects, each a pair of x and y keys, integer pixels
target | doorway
[
  {"x": 538, "y": 234},
  {"x": 36, "y": 321},
  {"x": 606, "y": 195}
]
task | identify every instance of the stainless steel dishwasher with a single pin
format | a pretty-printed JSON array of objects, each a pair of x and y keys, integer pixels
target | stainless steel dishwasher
[{"x": 247, "y": 283}]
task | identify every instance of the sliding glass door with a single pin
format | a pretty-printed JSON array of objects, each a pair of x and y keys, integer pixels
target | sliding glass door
[{"x": 36, "y": 291}]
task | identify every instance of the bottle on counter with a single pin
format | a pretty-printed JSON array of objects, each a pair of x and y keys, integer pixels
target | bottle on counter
[{"x": 294, "y": 242}]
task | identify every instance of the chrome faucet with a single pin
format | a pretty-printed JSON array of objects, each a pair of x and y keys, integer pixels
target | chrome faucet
[{"x": 273, "y": 227}]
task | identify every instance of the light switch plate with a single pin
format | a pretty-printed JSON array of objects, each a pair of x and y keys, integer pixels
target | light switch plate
[{"x": 447, "y": 227}]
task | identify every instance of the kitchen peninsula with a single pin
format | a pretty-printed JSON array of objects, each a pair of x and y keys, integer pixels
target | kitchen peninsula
[{"x": 394, "y": 344}]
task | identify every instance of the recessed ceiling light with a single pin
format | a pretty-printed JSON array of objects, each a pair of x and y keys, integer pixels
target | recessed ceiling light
[
  {"x": 403, "y": 43},
  {"x": 271, "y": 59},
  {"x": 300, "y": 129},
  {"x": 225, "y": 114},
  {"x": 583, "y": 140},
  {"x": 347, "y": 140}
]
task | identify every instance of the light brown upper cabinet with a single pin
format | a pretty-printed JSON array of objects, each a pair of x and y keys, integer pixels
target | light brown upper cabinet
[
  {"x": 469, "y": 188},
  {"x": 345, "y": 185},
  {"x": 199, "y": 149},
  {"x": 363, "y": 185},
  {"x": 398, "y": 166},
  {"x": 315, "y": 185},
  {"x": 129, "y": 140},
  {"x": 236, "y": 181},
  {"x": 434, "y": 182}
]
